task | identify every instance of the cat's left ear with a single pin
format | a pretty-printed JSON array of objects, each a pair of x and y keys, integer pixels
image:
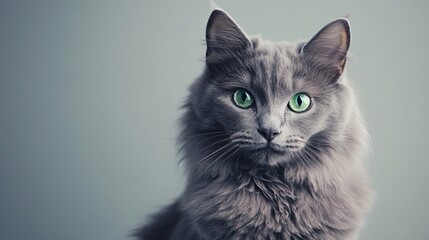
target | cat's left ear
[{"x": 329, "y": 47}]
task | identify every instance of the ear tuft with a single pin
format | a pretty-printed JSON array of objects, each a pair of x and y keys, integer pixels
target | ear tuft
[{"x": 224, "y": 36}]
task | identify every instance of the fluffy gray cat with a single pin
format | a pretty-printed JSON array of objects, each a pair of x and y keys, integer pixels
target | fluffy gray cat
[{"x": 272, "y": 141}]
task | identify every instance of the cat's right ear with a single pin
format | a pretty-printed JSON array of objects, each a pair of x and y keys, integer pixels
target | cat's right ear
[{"x": 224, "y": 37}]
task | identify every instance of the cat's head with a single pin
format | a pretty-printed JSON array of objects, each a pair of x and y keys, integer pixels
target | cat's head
[{"x": 265, "y": 102}]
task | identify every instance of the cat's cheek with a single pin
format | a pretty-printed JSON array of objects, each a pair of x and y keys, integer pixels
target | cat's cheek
[
  {"x": 231, "y": 117},
  {"x": 304, "y": 124}
]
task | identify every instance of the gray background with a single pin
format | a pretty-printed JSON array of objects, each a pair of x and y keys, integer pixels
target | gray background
[{"x": 90, "y": 94}]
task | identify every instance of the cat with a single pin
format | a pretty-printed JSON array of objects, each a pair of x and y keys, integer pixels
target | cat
[{"x": 272, "y": 140}]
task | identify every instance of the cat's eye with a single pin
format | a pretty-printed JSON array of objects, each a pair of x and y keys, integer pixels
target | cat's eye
[
  {"x": 243, "y": 98},
  {"x": 299, "y": 102}
]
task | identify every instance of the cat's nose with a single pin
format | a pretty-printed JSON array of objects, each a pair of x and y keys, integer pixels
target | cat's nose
[{"x": 268, "y": 134}]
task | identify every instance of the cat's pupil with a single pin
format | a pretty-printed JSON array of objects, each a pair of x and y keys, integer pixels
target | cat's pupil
[
  {"x": 243, "y": 97},
  {"x": 299, "y": 100}
]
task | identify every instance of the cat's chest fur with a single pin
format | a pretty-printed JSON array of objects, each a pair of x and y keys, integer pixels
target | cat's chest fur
[{"x": 259, "y": 208}]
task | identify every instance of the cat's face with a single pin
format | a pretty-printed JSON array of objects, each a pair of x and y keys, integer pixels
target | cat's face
[{"x": 272, "y": 101}]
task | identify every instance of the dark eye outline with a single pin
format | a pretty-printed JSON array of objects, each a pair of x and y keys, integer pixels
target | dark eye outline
[
  {"x": 248, "y": 92},
  {"x": 309, "y": 106}
]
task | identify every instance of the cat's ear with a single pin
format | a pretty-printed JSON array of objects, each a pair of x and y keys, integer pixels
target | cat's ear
[
  {"x": 329, "y": 47},
  {"x": 224, "y": 37}
]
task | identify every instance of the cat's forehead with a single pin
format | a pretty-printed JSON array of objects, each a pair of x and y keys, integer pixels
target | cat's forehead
[
  {"x": 274, "y": 68},
  {"x": 275, "y": 59}
]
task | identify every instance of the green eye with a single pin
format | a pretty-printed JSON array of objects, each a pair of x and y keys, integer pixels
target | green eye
[
  {"x": 300, "y": 102},
  {"x": 243, "y": 98}
]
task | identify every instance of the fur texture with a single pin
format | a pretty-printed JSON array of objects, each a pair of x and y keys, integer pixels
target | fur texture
[{"x": 306, "y": 180}]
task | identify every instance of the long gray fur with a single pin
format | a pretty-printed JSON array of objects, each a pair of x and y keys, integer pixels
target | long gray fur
[{"x": 307, "y": 183}]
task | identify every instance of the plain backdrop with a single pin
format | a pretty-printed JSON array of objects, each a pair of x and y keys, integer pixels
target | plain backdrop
[{"x": 90, "y": 93}]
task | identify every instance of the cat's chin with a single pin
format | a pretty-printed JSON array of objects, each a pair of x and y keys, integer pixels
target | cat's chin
[{"x": 272, "y": 154}]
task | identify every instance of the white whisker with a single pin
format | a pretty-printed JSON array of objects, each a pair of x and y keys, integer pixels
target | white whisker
[{"x": 219, "y": 157}]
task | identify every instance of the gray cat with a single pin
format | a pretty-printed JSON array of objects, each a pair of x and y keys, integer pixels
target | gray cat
[{"x": 272, "y": 141}]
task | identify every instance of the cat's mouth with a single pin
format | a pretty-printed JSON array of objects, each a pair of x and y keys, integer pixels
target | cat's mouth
[
  {"x": 273, "y": 148},
  {"x": 268, "y": 148}
]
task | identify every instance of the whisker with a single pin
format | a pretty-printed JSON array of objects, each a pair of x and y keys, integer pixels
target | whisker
[
  {"x": 206, "y": 158},
  {"x": 315, "y": 147},
  {"x": 211, "y": 145},
  {"x": 242, "y": 141},
  {"x": 219, "y": 157},
  {"x": 195, "y": 137},
  {"x": 231, "y": 155},
  {"x": 303, "y": 158},
  {"x": 184, "y": 144},
  {"x": 254, "y": 162},
  {"x": 208, "y": 133},
  {"x": 227, "y": 145}
]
